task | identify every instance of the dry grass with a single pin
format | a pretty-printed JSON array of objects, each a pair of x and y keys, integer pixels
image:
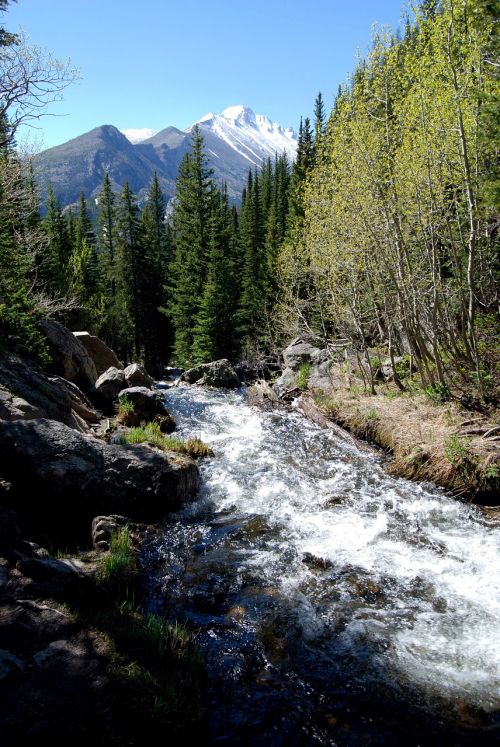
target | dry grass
[{"x": 429, "y": 440}]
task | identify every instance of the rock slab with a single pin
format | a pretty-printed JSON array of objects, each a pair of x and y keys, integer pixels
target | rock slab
[
  {"x": 102, "y": 355},
  {"x": 62, "y": 477},
  {"x": 219, "y": 374},
  {"x": 70, "y": 358}
]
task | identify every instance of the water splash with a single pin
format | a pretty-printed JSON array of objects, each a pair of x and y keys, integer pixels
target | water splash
[{"x": 303, "y": 553}]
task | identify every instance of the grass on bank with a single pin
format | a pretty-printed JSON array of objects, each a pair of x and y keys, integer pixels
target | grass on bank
[
  {"x": 151, "y": 433},
  {"x": 125, "y": 406},
  {"x": 427, "y": 437},
  {"x": 156, "y": 667}
]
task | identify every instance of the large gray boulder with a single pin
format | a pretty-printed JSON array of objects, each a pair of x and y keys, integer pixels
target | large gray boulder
[
  {"x": 63, "y": 478},
  {"x": 135, "y": 375},
  {"x": 219, "y": 374},
  {"x": 147, "y": 405},
  {"x": 299, "y": 352},
  {"x": 110, "y": 383},
  {"x": 286, "y": 382},
  {"x": 102, "y": 355},
  {"x": 79, "y": 402},
  {"x": 69, "y": 357},
  {"x": 26, "y": 392},
  {"x": 295, "y": 356},
  {"x": 16, "y": 408}
]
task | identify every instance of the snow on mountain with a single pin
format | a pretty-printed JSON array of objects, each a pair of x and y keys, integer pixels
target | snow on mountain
[
  {"x": 137, "y": 135},
  {"x": 235, "y": 141},
  {"x": 251, "y": 135}
]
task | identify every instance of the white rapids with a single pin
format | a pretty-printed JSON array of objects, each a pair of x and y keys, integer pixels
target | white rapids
[{"x": 374, "y": 560}]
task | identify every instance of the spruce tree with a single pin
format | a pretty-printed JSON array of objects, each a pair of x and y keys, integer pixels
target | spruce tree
[
  {"x": 214, "y": 334},
  {"x": 53, "y": 261},
  {"x": 194, "y": 199},
  {"x": 156, "y": 330},
  {"x": 107, "y": 261},
  {"x": 319, "y": 118}
]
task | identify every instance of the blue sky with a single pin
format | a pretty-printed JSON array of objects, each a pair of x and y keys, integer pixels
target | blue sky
[{"x": 155, "y": 63}]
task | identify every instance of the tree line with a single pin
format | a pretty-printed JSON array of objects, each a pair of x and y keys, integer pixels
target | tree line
[
  {"x": 396, "y": 247},
  {"x": 383, "y": 231}
]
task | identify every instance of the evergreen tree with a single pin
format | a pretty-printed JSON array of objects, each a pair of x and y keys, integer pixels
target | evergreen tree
[
  {"x": 213, "y": 336},
  {"x": 84, "y": 269},
  {"x": 194, "y": 200},
  {"x": 106, "y": 218},
  {"x": 53, "y": 262},
  {"x": 251, "y": 232},
  {"x": 128, "y": 248},
  {"x": 319, "y": 118},
  {"x": 156, "y": 331}
]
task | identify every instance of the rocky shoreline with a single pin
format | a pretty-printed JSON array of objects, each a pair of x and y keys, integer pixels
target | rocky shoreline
[{"x": 79, "y": 657}]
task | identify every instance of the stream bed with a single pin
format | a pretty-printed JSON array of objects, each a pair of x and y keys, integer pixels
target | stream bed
[{"x": 334, "y": 604}]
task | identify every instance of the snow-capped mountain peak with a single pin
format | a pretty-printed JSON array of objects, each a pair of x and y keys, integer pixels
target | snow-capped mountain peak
[
  {"x": 137, "y": 135},
  {"x": 251, "y": 135}
]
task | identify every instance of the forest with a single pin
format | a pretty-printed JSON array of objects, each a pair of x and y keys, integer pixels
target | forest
[{"x": 383, "y": 232}]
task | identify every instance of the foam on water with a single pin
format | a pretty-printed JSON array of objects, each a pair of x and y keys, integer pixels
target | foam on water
[{"x": 431, "y": 563}]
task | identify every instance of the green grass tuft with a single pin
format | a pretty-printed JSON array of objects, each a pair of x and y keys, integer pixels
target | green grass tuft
[
  {"x": 125, "y": 406},
  {"x": 303, "y": 375},
  {"x": 151, "y": 433}
]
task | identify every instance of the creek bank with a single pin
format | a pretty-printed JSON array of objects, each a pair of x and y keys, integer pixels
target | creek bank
[
  {"x": 79, "y": 658},
  {"x": 428, "y": 440}
]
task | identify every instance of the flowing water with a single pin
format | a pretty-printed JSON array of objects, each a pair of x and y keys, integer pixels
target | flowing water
[{"x": 335, "y": 604}]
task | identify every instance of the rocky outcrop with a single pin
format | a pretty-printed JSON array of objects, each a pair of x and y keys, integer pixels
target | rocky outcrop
[
  {"x": 110, "y": 383},
  {"x": 251, "y": 372},
  {"x": 263, "y": 395},
  {"x": 62, "y": 477},
  {"x": 80, "y": 404},
  {"x": 295, "y": 356},
  {"x": 16, "y": 408},
  {"x": 100, "y": 353},
  {"x": 144, "y": 405},
  {"x": 135, "y": 375},
  {"x": 69, "y": 356},
  {"x": 26, "y": 392},
  {"x": 218, "y": 374},
  {"x": 299, "y": 352}
]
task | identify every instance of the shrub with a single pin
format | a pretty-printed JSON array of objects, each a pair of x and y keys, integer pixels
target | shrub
[
  {"x": 438, "y": 392},
  {"x": 303, "y": 375}
]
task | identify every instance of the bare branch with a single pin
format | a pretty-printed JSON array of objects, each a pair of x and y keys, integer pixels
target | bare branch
[{"x": 31, "y": 79}]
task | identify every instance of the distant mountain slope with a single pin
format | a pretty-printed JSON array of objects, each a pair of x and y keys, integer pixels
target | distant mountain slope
[{"x": 235, "y": 140}]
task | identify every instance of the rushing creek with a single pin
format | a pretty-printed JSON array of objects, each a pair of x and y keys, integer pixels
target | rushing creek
[{"x": 334, "y": 604}]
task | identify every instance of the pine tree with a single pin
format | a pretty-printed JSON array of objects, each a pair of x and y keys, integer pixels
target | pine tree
[
  {"x": 128, "y": 248},
  {"x": 53, "y": 262},
  {"x": 156, "y": 331},
  {"x": 213, "y": 336},
  {"x": 250, "y": 310},
  {"x": 107, "y": 261},
  {"x": 319, "y": 118},
  {"x": 84, "y": 269},
  {"x": 194, "y": 200}
]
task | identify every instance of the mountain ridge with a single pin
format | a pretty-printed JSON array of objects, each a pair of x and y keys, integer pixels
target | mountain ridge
[{"x": 235, "y": 140}]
